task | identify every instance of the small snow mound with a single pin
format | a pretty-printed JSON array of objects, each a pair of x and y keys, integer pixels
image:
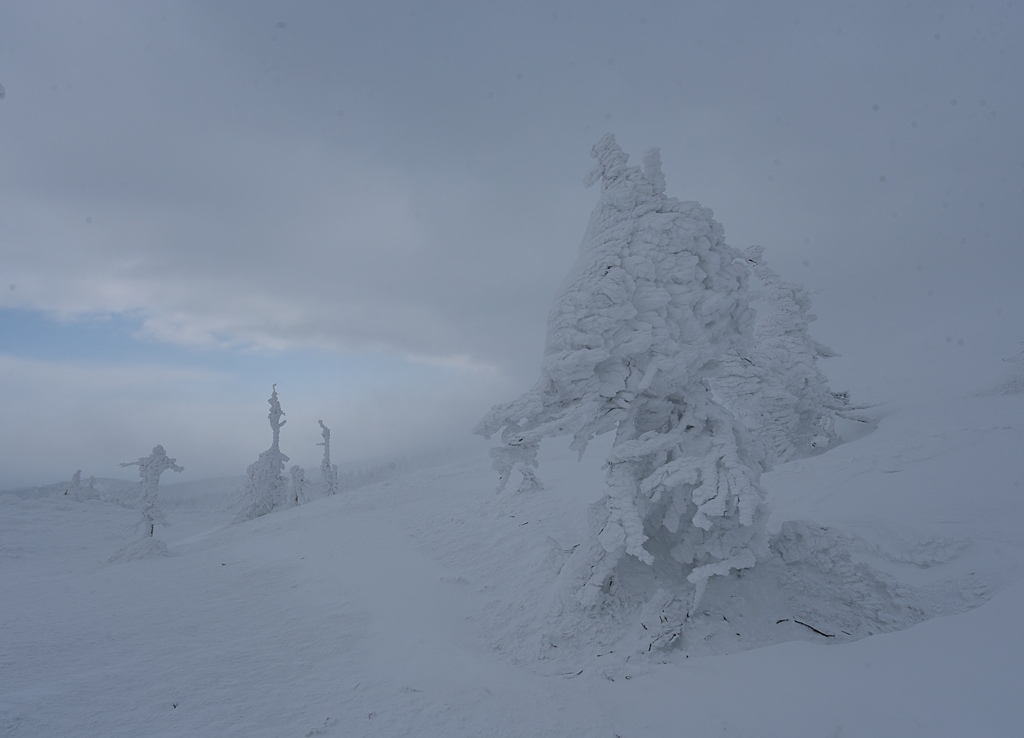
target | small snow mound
[
  {"x": 147, "y": 548},
  {"x": 814, "y": 586},
  {"x": 823, "y": 581}
]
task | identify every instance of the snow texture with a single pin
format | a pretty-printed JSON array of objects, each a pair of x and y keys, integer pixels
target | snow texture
[
  {"x": 288, "y": 627},
  {"x": 145, "y": 548},
  {"x": 636, "y": 336}
]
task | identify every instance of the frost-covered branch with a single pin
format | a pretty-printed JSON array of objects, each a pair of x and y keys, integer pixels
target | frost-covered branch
[{"x": 777, "y": 389}]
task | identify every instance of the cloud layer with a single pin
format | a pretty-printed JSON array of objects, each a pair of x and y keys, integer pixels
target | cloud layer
[{"x": 403, "y": 182}]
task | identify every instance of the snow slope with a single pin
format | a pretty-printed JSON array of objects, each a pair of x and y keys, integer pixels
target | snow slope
[{"x": 425, "y": 605}]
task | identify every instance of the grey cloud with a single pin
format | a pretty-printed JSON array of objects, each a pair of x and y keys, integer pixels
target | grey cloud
[{"x": 406, "y": 178}]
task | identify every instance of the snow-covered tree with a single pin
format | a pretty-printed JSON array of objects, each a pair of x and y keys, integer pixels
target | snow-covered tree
[
  {"x": 266, "y": 488},
  {"x": 298, "y": 489},
  {"x": 328, "y": 473},
  {"x": 150, "y": 469},
  {"x": 73, "y": 489},
  {"x": 777, "y": 388},
  {"x": 635, "y": 338}
]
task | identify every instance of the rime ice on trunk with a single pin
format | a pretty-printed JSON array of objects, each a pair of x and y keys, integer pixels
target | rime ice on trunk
[
  {"x": 275, "y": 415},
  {"x": 266, "y": 489},
  {"x": 150, "y": 469},
  {"x": 328, "y": 473},
  {"x": 654, "y": 302},
  {"x": 298, "y": 475}
]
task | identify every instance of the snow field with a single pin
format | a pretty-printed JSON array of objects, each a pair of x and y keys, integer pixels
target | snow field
[{"x": 426, "y": 605}]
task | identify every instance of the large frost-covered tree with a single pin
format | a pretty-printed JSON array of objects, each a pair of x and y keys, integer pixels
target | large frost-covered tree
[
  {"x": 636, "y": 336},
  {"x": 266, "y": 488},
  {"x": 150, "y": 469}
]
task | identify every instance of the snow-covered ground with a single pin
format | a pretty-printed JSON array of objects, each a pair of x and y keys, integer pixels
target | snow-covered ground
[{"x": 426, "y": 605}]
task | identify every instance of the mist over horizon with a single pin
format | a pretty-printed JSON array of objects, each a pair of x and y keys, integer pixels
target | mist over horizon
[{"x": 374, "y": 206}]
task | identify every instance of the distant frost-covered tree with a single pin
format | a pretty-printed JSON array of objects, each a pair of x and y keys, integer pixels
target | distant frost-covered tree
[
  {"x": 298, "y": 493},
  {"x": 73, "y": 489},
  {"x": 328, "y": 473},
  {"x": 777, "y": 388},
  {"x": 266, "y": 488},
  {"x": 150, "y": 469},
  {"x": 635, "y": 339}
]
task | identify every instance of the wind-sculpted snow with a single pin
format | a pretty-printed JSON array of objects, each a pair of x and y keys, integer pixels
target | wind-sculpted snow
[
  {"x": 144, "y": 548},
  {"x": 640, "y": 328},
  {"x": 824, "y": 582}
]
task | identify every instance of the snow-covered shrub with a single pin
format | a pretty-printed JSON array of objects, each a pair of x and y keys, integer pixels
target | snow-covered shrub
[
  {"x": 636, "y": 337},
  {"x": 777, "y": 389},
  {"x": 150, "y": 469},
  {"x": 266, "y": 488}
]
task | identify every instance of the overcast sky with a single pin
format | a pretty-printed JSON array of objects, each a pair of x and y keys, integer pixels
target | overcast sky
[{"x": 372, "y": 204}]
